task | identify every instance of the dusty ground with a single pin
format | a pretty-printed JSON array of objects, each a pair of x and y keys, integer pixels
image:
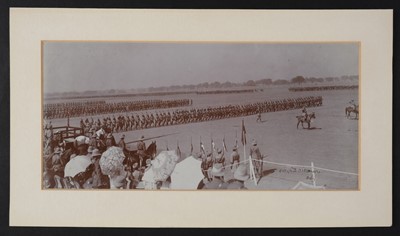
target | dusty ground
[{"x": 331, "y": 143}]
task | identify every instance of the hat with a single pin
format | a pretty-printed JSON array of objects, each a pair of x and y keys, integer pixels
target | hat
[
  {"x": 219, "y": 150},
  {"x": 234, "y": 148},
  {"x": 254, "y": 142},
  {"x": 141, "y": 138},
  {"x": 57, "y": 150},
  {"x": 81, "y": 140},
  {"x": 96, "y": 153},
  {"x": 90, "y": 149},
  {"x": 123, "y": 136},
  {"x": 218, "y": 170},
  {"x": 241, "y": 173}
]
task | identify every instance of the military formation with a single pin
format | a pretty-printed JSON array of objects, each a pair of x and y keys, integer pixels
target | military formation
[
  {"x": 97, "y": 137},
  {"x": 77, "y": 109},
  {"x": 227, "y": 91},
  {"x": 323, "y": 88},
  {"x": 122, "y": 123}
]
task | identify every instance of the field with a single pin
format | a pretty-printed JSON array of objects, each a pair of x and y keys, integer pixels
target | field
[{"x": 332, "y": 143}]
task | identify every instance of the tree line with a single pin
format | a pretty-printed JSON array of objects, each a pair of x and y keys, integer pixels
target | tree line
[{"x": 214, "y": 85}]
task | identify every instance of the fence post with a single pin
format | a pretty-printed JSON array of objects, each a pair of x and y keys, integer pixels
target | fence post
[{"x": 313, "y": 174}]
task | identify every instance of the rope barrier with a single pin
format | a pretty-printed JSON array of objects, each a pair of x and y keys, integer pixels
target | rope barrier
[
  {"x": 299, "y": 166},
  {"x": 309, "y": 167}
]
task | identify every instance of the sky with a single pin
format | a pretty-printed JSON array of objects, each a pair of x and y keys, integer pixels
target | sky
[{"x": 82, "y": 66}]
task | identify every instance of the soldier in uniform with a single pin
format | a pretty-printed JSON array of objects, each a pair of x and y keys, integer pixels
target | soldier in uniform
[
  {"x": 304, "y": 112},
  {"x": 122, "y": 143},
  {"x": 235, "y": 159},
  {"x": 257, "y": 158},
  {"x": 219, "y": 162},
  {"x": 141, "y": 150},
  {"x": 258, "y": 117},
  {"x": 109, "y": 141}
]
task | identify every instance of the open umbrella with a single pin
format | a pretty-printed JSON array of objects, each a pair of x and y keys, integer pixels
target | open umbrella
[
  {"x": 111, "y": 161},
  {"x": 76, "y": 165},
  {"x": 187, "y": 174},
  {"x": 161, "y": 167}
]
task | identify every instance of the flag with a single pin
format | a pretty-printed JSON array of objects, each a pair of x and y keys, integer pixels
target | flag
[
  {"x": 191, "y": 145},
  {"x": 178, "y": 150},
  {"x": 223, "y": 144},
  {"x": 243, "y": 134},
  {"x": 236, "y": 142},
  {"x": 202, "y": 147}
]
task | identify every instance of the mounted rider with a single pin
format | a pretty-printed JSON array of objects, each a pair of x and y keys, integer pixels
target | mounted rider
[
  {"x": 304, "y": 112},
  {"x": 353, "y": 103}
]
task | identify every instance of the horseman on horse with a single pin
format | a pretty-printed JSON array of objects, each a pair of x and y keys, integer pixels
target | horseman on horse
[
  {"x": 304, "y": 112},
  {"x": 350, "y": 109},
  {"x": 305, "y": 118}
]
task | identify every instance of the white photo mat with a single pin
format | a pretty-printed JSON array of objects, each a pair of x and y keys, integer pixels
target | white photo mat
[{"x": 369, "y": 206}]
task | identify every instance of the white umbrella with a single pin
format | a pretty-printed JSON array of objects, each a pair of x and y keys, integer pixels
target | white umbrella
[
  {"x": 111, "y": 161},
  {"x": 163, "y": 165},
  {"x": 76, "y": 165},
  {"x": 187, "y": 174}
]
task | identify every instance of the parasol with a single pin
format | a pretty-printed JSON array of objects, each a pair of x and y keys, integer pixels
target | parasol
[
  {"x": 161, "y": 167},
  {"x": 76, "y": 165},
  {"x": 187, "y": 174},
  {"x": 111, "y": 161}
]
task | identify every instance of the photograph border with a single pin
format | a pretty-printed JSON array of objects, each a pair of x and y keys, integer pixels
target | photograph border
[
  {"x": 211, "y": 42},
  {"x": 368, "y": 222}
]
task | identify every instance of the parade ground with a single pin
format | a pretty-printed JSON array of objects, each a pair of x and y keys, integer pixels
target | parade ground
[{"x": 331, "y": 144}]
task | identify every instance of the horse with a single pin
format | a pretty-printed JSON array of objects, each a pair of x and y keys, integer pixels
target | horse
[
  {"x": 307, "y": 119},
  {"x": 351, "y": 109},
  {"x": 101, "y": 133},
  {"x": 150, "y": 153},
  {"x": 132, "y": 157}
]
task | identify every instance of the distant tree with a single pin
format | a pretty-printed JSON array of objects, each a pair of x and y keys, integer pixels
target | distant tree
[
  {"x": 311, "y": 80},
  {"x": 250, "y": 83},
  {"x": 203, "y": 85},
  {"x": 329, "y": 79},
  {"x": 226, "y": 84},
  {"x": 354, "y": 77},
  {"x": 264, "y": 81},
  {"x": 215, "y": 84},
  {"x": 280, "y": 82},
  {"x": 298, "y": 80}
]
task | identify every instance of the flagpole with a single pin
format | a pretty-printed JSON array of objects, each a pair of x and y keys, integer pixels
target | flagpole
[
  {"x": 202, "y": 149},
  {"x": 191, "y": 145}
]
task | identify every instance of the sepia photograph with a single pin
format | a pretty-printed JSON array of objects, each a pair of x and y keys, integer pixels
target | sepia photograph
[
  {"x": 200, "y": 118},
  {"x": 204, "y": 115}
]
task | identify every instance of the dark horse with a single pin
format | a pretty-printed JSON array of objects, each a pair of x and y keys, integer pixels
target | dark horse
[
  {"x": 132, "y": 162},
  {"x": 307, "y": 119},
  {"x": 132, "y": 156},
  {"x": 350, "y": 109}
]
